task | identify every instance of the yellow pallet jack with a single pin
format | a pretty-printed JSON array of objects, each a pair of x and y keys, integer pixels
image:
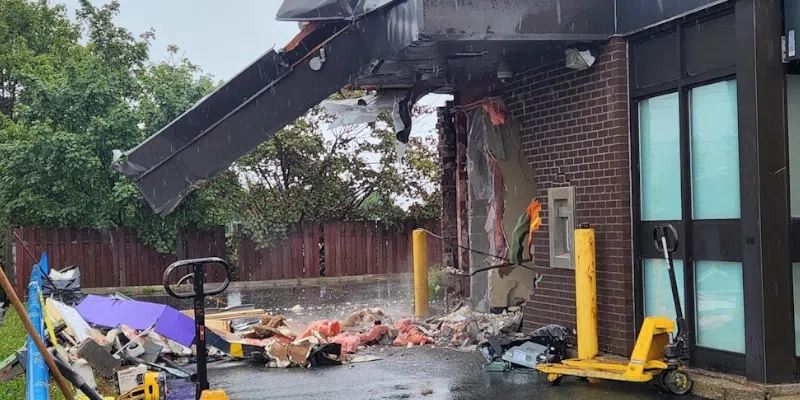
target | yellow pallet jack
[
  {"x": 654, "y": 357},
  {"x": 198, "y": 277}
]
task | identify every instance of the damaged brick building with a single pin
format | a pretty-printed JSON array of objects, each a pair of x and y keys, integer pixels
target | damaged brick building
[
  {"x": 612, "y": 113},
  {"x": 567, "y": 130}
]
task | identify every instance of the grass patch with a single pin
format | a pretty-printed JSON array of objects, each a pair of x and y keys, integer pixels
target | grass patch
[
  {"x": 436, "y": 281},
  {"x": 148, "y": 291},
  {"x": 12, "y": 337}
]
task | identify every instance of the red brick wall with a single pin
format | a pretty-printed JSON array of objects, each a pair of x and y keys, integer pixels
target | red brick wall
[{"x": 575, "y": 132}]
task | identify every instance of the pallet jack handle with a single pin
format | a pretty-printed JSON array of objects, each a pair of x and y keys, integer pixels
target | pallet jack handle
[
  {"x": 666, "y": 241},
  {"x": 199, "y": 295}
]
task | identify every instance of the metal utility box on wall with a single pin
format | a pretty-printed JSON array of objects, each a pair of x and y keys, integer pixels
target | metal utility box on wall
[{"x": 561, "y": 226}]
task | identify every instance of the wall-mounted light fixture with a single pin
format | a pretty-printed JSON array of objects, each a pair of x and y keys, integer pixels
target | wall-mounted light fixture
[{"x": 579, "y": 59}]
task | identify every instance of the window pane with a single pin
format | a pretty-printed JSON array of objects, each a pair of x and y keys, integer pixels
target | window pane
[
  {"x": 660, "y": 158},
  {"x": 657, "y": 291},
  {"x": 720, "y": 305},
  {"x": 793, "y": 115},
  {"x": 796, "y": 283},
  {"x": 715, "y": 152}
]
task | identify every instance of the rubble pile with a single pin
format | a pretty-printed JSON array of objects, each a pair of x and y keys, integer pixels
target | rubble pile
[
  {"x": 121, "y": 339},
  {"x": 368, "y": 327},
  {"x": 466, "y": 328}
]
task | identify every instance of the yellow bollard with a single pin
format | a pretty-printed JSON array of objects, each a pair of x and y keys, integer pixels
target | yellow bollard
[
  {"x": 420, "y": 245},
  {"x": 586, "y": 293}
]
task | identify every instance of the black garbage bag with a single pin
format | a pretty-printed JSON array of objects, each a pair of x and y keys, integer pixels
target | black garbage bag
[
  {"x": 327, "y": 354},
  {"x": 64, "y": 285},
  {"x": 556, "y": 338}
]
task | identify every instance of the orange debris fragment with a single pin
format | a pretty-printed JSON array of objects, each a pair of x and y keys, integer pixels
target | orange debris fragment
[
  {"x": 533, "y": 212},
  {"x": 349, "y": 341},
  {"x": 325, "y": 328}
]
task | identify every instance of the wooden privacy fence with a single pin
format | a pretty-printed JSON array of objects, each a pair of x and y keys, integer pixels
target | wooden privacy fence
[
  {"x": 109, "y": 258},
  {"x": 337, "y": 249},
  {"x": 116, "y": 258}
]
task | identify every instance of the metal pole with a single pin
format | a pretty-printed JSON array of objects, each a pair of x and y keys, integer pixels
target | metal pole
[
  {"x": 26, "y": 321},
  {"x": 586, "y": 293},
  {"x": 420, "y": 244},
  {"x": 200, "y": 328}
]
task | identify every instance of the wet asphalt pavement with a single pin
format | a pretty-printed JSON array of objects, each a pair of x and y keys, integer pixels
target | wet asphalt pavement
[
  {"x": 395, "y": 297},
  {"x": 417, "y": 373}
]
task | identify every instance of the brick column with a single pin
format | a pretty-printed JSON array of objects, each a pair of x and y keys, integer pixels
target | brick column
[
  {"x": 462, "y": 196},
  {"x": 447, "y": 156}
]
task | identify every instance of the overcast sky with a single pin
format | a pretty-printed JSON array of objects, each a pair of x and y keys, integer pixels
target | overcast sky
[{"x": 220, "y": 36}]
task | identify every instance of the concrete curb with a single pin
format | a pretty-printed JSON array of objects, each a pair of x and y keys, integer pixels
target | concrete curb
[
  {"x": 715, "y": 385},
  {"x": 284, "y": 283},
  {"x": 718, "y": 386}
]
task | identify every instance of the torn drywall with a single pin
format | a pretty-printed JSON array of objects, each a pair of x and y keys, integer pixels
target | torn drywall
[{"x": 502, "y": 183}]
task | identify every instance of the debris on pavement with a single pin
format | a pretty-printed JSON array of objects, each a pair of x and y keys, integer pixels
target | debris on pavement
[
  {"x": 328, "y": 354},
  {"x": 140, "y": 315},
  {"x": 526, "y": 355},
  {"x": 349, "y": 341},
  {"x": 365, "y": 358},
  {"x": 547, "y": 344},
  {"x": 64, "y": 284},
  {"x": 119, "y": 337},
  {"x": 556, "y": 339},
  {"x": 98, "y": 357},
  {"x": 288, "y": 354},
  {"x": 77, "y": 328},
  {"x": 409, "y": 333},
  {"x": 365, "y": 316},
  {"x": 128, "y": 376}
]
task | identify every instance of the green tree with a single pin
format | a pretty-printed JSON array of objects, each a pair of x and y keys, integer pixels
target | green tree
[
  {"x": 56, "y": 144},
  {"x": 349, "y": 173},
  {"x": 34, "y": 38}
]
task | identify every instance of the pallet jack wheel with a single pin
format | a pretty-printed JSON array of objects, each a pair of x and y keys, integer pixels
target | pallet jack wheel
[
  {"x": 554, "y": 379},
  {"x": 676, "y": 382}
]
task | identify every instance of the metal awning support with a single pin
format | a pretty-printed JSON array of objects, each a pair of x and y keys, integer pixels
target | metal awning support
[{"x": 265, "y": 97}]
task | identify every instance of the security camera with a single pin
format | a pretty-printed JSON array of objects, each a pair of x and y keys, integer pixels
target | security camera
[{"x": 504, "y": 72}]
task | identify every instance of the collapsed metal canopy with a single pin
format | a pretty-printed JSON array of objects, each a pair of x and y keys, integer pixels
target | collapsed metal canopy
[
  {"x": 265, "y": 97},
  {"x": 326, "y": 10},
  {"x": 368, "y": 44}
]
